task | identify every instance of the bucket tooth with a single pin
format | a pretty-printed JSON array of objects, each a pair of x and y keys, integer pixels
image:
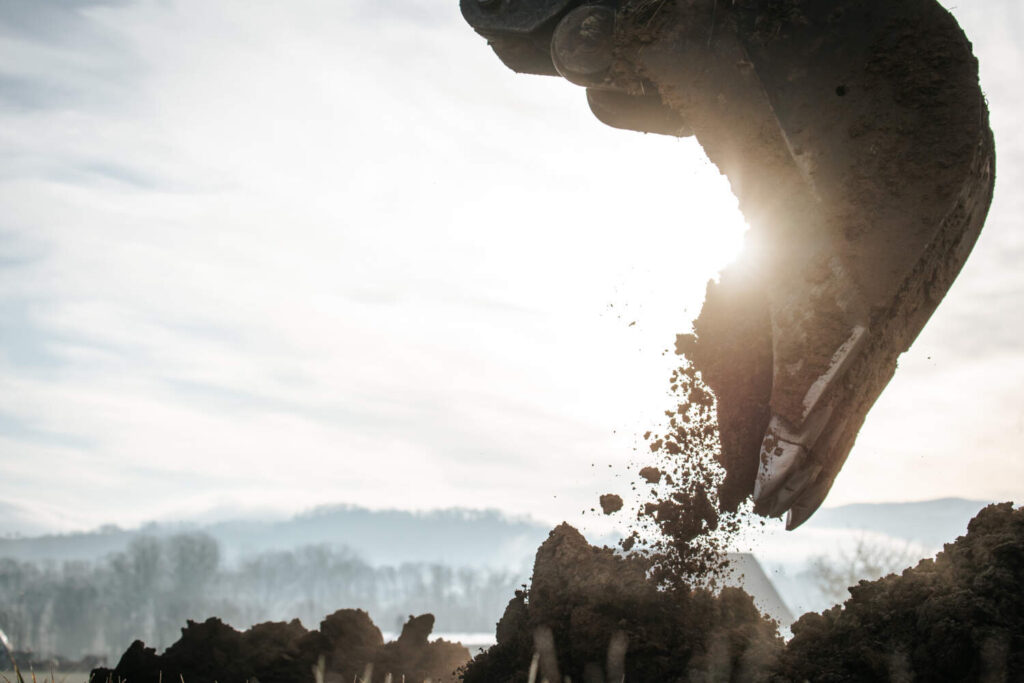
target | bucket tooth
[
  {"x": 808, "y": 502},
  {"x": 787, "y": 464},
  {"x": 779, "y": 460}
]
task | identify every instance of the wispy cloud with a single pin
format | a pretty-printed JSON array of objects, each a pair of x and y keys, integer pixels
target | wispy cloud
[{"x": 317, "y": 252}]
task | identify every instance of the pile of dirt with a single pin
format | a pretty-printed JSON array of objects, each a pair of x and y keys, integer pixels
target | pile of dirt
[
  {"x": 347, "y": 644},
  {"x": 958, "y": 617},
  {"x": 593, "y": 615}
]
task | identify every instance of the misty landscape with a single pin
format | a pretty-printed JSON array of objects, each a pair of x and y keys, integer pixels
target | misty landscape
[
  {"x": 511, "y": 341},
  {"x": 94, "y": 593},
  {"x": 84, "y": 597}
]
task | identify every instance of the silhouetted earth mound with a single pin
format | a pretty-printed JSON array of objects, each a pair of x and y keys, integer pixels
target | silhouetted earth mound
[
  {"x": 593, "y": 615},
  {"x": 597, "y": 616},
  {"x": 277, "y": 652},
  {"x": 959, "y": 617}
]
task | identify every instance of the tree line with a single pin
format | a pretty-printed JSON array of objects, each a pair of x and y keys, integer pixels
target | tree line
[{"x": 147, "y": 592}]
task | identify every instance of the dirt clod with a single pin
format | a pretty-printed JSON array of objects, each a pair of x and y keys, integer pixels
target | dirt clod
[
  {"x": 611, "y": 503},
  {"x": 652, "y": 475}
]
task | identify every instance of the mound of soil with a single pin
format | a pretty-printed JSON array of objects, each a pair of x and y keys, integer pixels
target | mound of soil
[
  {"x": 958, "y": 617},
  {"x": 347, "y": 644},
  {"x": 593, "y": 615}
]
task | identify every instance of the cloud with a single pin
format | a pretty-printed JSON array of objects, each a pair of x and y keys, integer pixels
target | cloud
[
  {"x": 293, "y": 254},
  {"x": 58, "y": 21}
]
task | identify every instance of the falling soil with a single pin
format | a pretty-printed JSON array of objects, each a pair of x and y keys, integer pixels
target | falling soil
[
  {"x": 347, "y": 645},
  {"x": 652, "y": 475},
  {"x": 679, "y": 524},
  {"x": 611, "y": 503}
]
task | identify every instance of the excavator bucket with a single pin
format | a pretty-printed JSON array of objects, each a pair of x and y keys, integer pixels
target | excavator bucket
[{"x": 856, "y": 138}]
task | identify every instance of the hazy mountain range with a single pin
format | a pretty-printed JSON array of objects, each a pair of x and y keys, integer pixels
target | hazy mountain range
[
  {"x": 455, "y": 537},
  {"x": 928, "y": 523},
  {"x": 381, "y": 537}
]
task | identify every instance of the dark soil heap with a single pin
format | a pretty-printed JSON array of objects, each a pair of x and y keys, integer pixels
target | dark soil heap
[
  {"x": 347, "y": 644},
  {"x": 958, "y": 617},
  {"x": 589, "y": 597}
]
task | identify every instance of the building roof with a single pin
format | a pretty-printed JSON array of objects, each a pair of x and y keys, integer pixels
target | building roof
[{"x": 745, "y": 572}]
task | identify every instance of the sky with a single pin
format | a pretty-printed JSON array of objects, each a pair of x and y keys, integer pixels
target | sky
[{"x": 258, "y": 257}]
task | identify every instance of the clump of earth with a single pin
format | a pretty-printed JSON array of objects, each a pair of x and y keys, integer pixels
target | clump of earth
[
  {"x": 347, "y": 645},
  {"x": 611, "y": 503}
]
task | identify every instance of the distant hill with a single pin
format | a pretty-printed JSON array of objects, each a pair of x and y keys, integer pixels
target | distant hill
[
  {"x": 929, "y": 523},
  {"x": 455, "y": 536},
  {"x": 460, "y": 537},
  {"x": 28, "y": 521},
  {"x": 483, "y": 538}
]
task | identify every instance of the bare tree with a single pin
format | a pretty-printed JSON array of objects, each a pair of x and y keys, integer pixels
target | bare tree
[{"x": 867, "y": 560}]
